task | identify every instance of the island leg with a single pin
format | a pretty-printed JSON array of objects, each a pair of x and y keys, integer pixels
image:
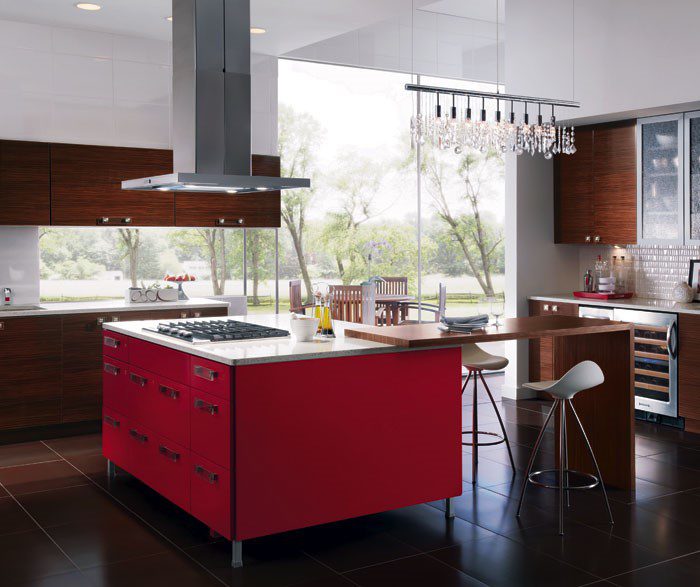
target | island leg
[
  {"x": 236, "y": 554},
  {"x": 449, "y": 508},
  {"x": 111, "y": 470}
]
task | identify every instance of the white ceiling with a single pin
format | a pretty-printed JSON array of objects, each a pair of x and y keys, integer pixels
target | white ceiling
[
  {"x": 474, "y": 9},
  {"x": 291, "y": 24}
]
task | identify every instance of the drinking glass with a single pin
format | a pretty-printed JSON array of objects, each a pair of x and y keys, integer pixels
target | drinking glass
[{"x": 497, "y": 308}]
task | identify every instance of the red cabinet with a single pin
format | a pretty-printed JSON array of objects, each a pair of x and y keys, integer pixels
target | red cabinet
[
  {"x": 209, "y": 376},
  {"x": 115, "y": 429},
  {"x": 210, "y": 427},
  {"x": 114, "y": 388},
  {"x": 210, "y": 495},
  {"x": 114, "y": 345},
  {"x": 171, "y": 471}
]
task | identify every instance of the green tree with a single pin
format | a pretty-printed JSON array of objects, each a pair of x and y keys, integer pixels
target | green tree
[
  {"x": 260, "y": 251},
  {"x": 299, "y": 137},
  {"x": 479, "y": 240},
  {"x": 130, "y": 243}
]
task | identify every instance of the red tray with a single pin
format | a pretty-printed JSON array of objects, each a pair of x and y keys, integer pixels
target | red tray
[{"x": 603, "y": 296}]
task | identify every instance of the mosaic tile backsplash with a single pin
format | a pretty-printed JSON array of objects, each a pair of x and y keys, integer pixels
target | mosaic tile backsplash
[{"x": 656, "y": 268}]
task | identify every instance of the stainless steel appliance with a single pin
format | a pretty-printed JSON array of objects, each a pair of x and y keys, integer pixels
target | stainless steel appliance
[
  {"x": 216, "y": 330},
  {"x": 655, "y": 356}
]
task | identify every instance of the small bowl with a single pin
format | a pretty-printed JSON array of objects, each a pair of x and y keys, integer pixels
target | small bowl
[{"x": 303, "y": 328}]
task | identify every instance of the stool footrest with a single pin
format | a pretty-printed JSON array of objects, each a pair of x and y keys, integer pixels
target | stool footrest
[
  {"x": 500, "y": 440},
  {"x": 588, "y": 481}
]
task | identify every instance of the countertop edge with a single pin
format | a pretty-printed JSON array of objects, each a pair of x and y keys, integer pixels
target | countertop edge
[
  {"x": 49, "y": 311},
  {"x": 648, "y": 304}
]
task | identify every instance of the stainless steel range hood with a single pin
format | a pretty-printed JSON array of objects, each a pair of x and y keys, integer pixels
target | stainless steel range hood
[{"x": 211, "y": 103}]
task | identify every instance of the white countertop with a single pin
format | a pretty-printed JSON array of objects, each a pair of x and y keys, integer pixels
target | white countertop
[
  {"x": 650, "y": 304},
  {"x": 270, "y": 350},
  {"x": 57, "y": 308}
]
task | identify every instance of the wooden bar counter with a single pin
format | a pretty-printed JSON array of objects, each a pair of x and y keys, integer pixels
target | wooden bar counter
[{"x": 606, "y": 411}]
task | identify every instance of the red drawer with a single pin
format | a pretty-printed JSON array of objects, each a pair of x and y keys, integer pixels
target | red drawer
[
  {"x": 171, "y": 472},
  {"x": 210, "y": 376},
  {"x": 142, "y": 447},
  {"x": 210, "y": 427},
  {"x": 141, "y": 391},
  {"x": 210, "y": 495},
  {"x": 169, "y": 407},
  {"x": 115, "y": 345},
  {"x": 159, "y": 359},
  {"x": 115, "y": 432},
  {"x": 114, "y": 385}
]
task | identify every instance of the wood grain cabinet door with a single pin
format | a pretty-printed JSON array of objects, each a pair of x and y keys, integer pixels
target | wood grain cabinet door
[
  {"x": 573, "y": 192},
  {"x": 615, "y": 184},
  {"x": 86, "y": 186},
  {"x": 30, "y": 368},
  {"x": 261, "y": 210},
  {"x": 688, "y": 370},
  {"x": 25, "y": 191}
]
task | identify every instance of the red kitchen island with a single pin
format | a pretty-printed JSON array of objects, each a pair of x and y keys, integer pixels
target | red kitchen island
[{"x": 264, "y": 436}]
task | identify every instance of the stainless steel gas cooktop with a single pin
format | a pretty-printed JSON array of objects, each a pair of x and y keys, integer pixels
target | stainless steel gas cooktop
[{"x": 216, "y": 330}]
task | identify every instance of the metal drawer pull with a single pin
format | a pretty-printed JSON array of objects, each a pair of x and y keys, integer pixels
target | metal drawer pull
[
  {"x": 205, "y": 373},
  {"x": 112, "y": 422},
  {"x": 169, "y": 391},
  {"x": 169, "y": 454},
  {"x": 555, "y": 308},
  {"x": 111, "y": 369},
  {"x": 546, "y": 307},
  {"x": 208, "y": 475},
  {"x": 138, "y": 380},
  {"x": 137, "y": 436},
  {"x": 111, "y": 342},
  {"x": 206, "y": 407}
]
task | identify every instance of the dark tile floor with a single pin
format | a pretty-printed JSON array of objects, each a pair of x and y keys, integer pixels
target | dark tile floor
[{"x": 61, "y": 525}]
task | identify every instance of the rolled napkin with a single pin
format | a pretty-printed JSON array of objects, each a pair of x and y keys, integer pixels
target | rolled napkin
[{"x": 466, "y": 324}]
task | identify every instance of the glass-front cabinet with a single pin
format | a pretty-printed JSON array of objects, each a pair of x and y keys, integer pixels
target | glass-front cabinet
[
  {"x": 691, "y": 141},
  {"x": 660, "y": 182}
]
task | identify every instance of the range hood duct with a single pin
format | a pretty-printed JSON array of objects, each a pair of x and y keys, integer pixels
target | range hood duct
[{"x": 211, "y": 103}]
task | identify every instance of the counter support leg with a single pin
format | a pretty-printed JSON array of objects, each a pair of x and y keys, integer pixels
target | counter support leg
[
  {"x": 236, "y": 554},
  {"x": 449, "y": 508},
  {"x": 111, "y": 470}
]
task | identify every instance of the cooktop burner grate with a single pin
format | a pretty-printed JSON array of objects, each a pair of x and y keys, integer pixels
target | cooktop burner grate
[{"x": 202, "y": 331}]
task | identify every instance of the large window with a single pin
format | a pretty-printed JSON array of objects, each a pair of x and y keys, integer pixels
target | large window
[{"x": 348, "y": 130}]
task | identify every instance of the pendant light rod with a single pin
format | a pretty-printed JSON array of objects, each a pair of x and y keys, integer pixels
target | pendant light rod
[{"x": 492, "y": 95}]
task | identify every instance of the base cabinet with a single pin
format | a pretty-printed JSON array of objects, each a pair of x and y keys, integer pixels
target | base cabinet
[
  {"x": 688, "y": 371},
  {"x": 542, "y": 351},
  {"x": 266, "y": 452}
]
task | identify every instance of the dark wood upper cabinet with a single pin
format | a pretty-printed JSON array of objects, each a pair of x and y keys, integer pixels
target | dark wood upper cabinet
[
  {"x": 25, "y": 191},
  {"x": 595, "y": 190},
  {"x": 573, "y": 191},
  {"x": 86, "y": 186},
  {"x": 261, "y": 210}
]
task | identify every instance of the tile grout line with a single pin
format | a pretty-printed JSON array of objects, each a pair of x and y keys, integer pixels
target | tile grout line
[
  {"x": 137, "y": 516},
  {"x": 320, "y": 562},
  {"x": 29, "y": 464},
  {"x": 43, "y": 530},
  {"x": 668, "y": 560}
]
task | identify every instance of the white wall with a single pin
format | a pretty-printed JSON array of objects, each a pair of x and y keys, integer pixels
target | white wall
[
  {"x": 534, "y": 264},
  {"x": 629, "y": 56}
]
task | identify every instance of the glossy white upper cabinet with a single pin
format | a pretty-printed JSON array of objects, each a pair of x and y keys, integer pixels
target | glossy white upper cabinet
[{"x": 691, "y": 136}]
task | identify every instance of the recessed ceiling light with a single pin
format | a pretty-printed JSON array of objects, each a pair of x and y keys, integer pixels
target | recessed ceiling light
[
  {"x": 170, "y": 18},
  {"x": 256, "y": 30},
  {"x": 88, "y": 6}
]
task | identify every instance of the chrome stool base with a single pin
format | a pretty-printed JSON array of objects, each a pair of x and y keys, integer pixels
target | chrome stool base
[
  {"x": 563, "y": 470},
  {"x": 593, "y": 480},
  {"x": 501, "y": 438}
]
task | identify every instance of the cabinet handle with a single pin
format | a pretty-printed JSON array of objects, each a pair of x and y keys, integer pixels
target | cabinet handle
[
  {"x": 200, "y": 404},
  {"x": 208, "y": 475},
  {"x": 103, "y": 220},
  {"x": 597, "y": 239},
  {"x": 126, "y": 220},
  {"x": 169, "y": 391},
  {"x": 588, "y": 238},
  {"x": 169, "y": 454},
  {"x": 111, "y": 369},
  {"x": 112, "y": 422},
  {"x": 555, "y": 308},
  {"x": 183, "y": 314},
  {"x": 204, "y": 373},
  {"x": 546, "y": 307},
  {"x": 2, "y": 326},
  {"x": 100, "y": 320},
  {"x": 234, "y": 222},
  {"x": 138, "y": 380},
  {"x": 108, "y": 340},
  {"x": 115, "y": 318},
  {"x": 196, "y": 314},
  {"x": 142, "y": 438}
]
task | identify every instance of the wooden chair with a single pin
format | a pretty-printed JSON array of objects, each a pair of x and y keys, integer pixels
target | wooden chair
[
  {"x": 393, "y": 285},
  {"x": 437, "y": 310},
  {"x": 296, "y": 305},
  {"x": 354, "y": 303}
]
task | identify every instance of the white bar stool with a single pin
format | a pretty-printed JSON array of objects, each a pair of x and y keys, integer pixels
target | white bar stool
[
  {"x": 476, "y": 360},
  {"x": 582, "y": 376}
]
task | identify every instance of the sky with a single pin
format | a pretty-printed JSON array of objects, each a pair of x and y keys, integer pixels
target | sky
[{"x": 367, "y": 111}]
